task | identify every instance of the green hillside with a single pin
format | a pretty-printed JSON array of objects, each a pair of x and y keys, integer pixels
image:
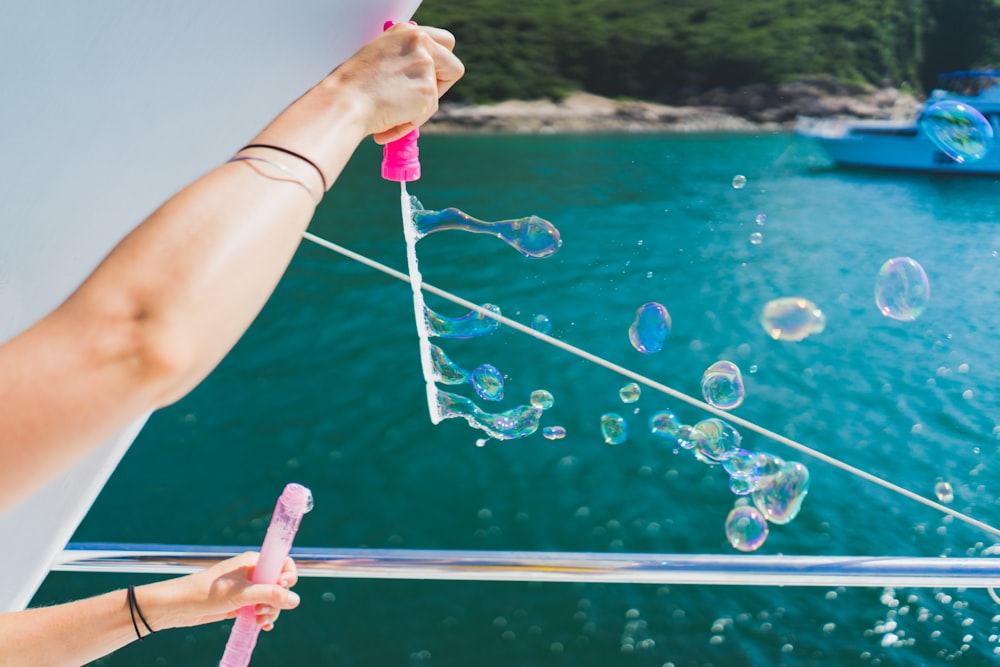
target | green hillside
[{"x": 659, "y": 49}]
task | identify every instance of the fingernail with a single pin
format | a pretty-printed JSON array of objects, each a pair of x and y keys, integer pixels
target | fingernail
[
  {"x": 265, "y": 610},
  {"x": 286, "y": 583},
  {"x": 293, "y": 598}
]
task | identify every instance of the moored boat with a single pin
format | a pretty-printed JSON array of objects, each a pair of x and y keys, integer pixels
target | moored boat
[{"x": 903, "y": 145}]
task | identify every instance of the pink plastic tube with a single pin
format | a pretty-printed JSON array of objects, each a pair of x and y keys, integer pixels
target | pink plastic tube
[
  {"x": 294, "y": 502},
  {"x": 401, "y": 158}
]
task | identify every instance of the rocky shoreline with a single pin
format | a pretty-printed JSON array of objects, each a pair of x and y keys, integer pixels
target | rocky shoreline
[{"x": 748, "y": 109}]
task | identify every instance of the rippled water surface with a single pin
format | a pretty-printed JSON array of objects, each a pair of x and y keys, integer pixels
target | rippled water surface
[{"x": 326, "y": 390}]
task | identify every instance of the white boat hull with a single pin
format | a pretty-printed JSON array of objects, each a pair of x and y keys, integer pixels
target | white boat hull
[{"x": 891, "y": 146}]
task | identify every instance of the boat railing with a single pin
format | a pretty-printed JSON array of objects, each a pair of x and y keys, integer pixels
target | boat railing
[{"x": 552, "y": 566}]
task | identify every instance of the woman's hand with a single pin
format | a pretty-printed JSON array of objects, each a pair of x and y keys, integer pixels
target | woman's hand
[
  {"x": 400, "y": 75},
  {"x": 217, "y": 593}
]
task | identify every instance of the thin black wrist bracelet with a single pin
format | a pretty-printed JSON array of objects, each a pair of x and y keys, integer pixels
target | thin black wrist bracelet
[
  {"x": 133, "y": 609},
  {"x": 319, "y": 171}
]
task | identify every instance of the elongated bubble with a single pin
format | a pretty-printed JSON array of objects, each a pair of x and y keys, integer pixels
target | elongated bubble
[
  {"x": 531, "y": 236},
  {"x": 485, "y": 379},
  {"x": 614, "y": 428},
  {"x": 514, "y": 423},
  {"x": 722, "y": 385},
  {"x": 901, "y": 289},
  {"x": 792, "y": 318},
  {"x": 471, "y": 325},
  {"x": 746, "y": 529},
  {"x": 446, "y": 371},
  {"x": 650, "y": 328},
  {"x": 959, "y": 130}
]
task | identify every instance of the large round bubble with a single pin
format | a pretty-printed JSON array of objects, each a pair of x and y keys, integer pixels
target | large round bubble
[
  {"x": 722, "y": 385},
  {"x": 959, "y": 130},
  {"x": 746, "y": 528},
  {"x": 901, "y": 289}
]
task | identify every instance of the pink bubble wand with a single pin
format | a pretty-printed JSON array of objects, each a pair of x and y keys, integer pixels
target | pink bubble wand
[
  {"x": 401, "y": 163},
  {"x": 293, "y": 503}
]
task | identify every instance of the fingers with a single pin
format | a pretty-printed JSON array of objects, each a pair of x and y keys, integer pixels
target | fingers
[
  {"x": 434, "y": 47},
  {"x": 448, "y": 68}
]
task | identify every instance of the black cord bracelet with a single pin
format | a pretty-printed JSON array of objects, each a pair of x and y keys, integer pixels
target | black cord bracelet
[
  {"x": 319, "y": 171},
  {"x": 133, "y": 609}
]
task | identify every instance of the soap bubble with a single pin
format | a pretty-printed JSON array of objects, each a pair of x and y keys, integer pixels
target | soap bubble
[
  {"x": 630, "y": 393},
  {"x": 541, "y": 399},
  {"x": 741, "y": 485},
  {"x": 779, "y": 496},
  {"x": 739, "y": 182},
  {"x": 614, "y": 428},
  {"x": 761, "y": 219},
  {"x": 553, "y": 433},
  {"x": 541, "y": 324},
  {"x": 901, "y": 289},
  {"x": 689, "y": 437},
  {"x": 746, "y": 529},
  {"x": 756, "y": 238},
  {"x": 665, "y": 424},
  {"x": 722, "y": 385},
  {"x": 943, "y": 491},
  {"x": 650, "y": 328},
  {"x": 488, "y": 382},
  {"x": 719, "y": 442},
  {"x": 959, "y": 130},
  {"x": 792, "y": 318}
]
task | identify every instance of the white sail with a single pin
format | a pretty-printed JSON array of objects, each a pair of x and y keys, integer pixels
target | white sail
[{"x": 110, "y": 107}]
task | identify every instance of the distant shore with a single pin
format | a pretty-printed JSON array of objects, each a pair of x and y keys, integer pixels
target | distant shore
[{"x": 749, "y": 109}]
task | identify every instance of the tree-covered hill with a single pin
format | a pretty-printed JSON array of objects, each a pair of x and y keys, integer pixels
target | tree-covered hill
[{"x": 659, "y": 49}]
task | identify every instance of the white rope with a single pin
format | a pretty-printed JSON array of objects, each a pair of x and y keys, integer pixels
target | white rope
[{"x": 659, "y": 386}]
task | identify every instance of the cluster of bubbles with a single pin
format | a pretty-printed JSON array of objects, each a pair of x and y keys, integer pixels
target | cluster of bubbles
[
  {"x": 532, "y": 237},
  {"x": 776, "y": 487},
  {"x": 958, "y": 130}
]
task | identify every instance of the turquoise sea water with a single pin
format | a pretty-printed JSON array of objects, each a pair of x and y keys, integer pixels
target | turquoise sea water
[{"x": 325, "y": 390}]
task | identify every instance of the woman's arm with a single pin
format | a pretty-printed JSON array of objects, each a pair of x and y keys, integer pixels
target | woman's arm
[
  {"x": 79, "y": 632},
  {"x": 176, "y": 294}
]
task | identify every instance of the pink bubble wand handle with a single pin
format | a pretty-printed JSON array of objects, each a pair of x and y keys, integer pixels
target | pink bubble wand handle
[
  {"x": 294, "y": 502},
  {"x": 401, "y": 158}
]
